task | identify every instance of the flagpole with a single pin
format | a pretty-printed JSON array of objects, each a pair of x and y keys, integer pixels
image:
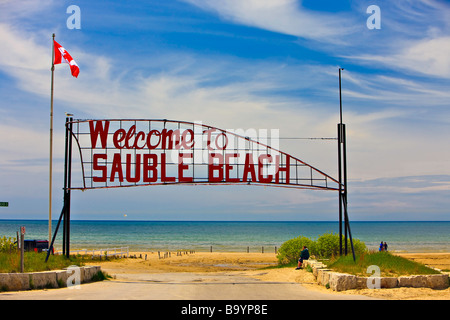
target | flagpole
[{"x": 51, "y": 147}]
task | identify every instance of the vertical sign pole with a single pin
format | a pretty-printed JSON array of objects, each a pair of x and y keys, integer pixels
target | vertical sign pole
[
  {"x": 340, "y": 187},
  {"x": 51, "y": 146},
  {"x": 65, "y": 190},
  {"x": 340, "y": 162},
  {"x": 69, "y": 185},
  {"x": 344, "y": 162}
]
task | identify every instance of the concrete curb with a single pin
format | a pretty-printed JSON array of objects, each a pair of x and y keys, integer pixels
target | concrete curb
[
  {"x": 47, "y": 279},
  {"x": 341, "y": 281}
]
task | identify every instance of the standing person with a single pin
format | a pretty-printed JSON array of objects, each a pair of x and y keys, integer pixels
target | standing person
[
  {"x": 381, "y": 246},
  {"x": 304, "y": 255},
  {"x": 385, "y": 246}
]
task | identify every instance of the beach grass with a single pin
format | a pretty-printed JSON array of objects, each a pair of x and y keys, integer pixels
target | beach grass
[
  {"x": 34, "y": 262},
  {"x": 388, "y": 264}
]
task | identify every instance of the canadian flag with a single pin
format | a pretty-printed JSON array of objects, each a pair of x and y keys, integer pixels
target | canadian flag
[{"x": 62, "y": 56}]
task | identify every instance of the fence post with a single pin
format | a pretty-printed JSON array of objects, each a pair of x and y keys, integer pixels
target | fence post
[{"x": 22, "y": 249}]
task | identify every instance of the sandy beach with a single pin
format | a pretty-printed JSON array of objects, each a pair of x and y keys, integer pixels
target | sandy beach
[{"x": 250, "y": 265}]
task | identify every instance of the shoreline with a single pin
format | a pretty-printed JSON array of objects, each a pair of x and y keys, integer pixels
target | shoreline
[{"x": 242, "y": 249}]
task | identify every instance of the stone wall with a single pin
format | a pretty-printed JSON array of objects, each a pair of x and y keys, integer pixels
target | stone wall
[
  {"x": 341, "y": 281},
  {"x": 46, "y": 279}
]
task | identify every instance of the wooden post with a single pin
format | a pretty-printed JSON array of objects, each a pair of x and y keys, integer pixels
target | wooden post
[{"x": 22, "y": 249}]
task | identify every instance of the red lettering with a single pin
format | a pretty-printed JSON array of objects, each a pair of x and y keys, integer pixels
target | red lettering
[
  {"x": 164, "y": 178},
  {"x": 131, "y": 139},
  {"x": 137, "y": 169},
  {"x": 117, "y": 140},
  {"x": 182, "y": 166},
  {"x": 249, "y": 167},
  {"x": 96, "y": 167},
  {"x": 149, "y": 138},
  {"x": 167, "y": 138},
  {"x": 261, "y": 178},
  {"x": 224, "y": 142},
  {"x": 215, "y": 167},
  {"x": 140, "y": 136},
  {"x": 286, "y": 169},
  {"x": 116, "y": 168},
  {"x": 150, "y": 168},
  {"x": 208, "y": 142},
  {"x": 130, "y": 135},
  {"x": 187, "y": 144},
  {"x": 229, "y": 167},
  {"x": 101, "y": 130}
]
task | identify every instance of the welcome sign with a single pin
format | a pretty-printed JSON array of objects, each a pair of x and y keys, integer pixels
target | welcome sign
[{"x": 125, "y": 153}]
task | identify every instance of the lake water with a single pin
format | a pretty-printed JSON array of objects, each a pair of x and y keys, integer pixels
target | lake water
[{"x": 232, "y": 236}]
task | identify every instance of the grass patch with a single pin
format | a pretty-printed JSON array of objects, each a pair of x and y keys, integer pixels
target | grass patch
[
  {"x": 390, "y": 265},
  {"x": 281, "y": 266},
  {"x": 35, "y": 262},
  {"x": 101, "y": 276}
]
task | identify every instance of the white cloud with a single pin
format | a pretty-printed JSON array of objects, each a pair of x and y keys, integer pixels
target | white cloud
[
  {"x": 426, "y": 56},
  {"x": 283, "y": 16}
]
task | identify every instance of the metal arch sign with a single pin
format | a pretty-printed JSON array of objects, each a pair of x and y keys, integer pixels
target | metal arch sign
[
  {"x": 118, "y": 153},
  {"x": 136, "y": 152}
]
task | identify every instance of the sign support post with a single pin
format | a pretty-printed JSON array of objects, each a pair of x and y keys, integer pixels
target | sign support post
[
  {"x": 67, "y": 185},
  {"x": 65, "y": 212},
  {"x": 342, "y": 173}
]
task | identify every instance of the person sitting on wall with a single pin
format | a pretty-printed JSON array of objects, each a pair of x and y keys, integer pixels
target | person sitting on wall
[{"x": 304, "y": 255}]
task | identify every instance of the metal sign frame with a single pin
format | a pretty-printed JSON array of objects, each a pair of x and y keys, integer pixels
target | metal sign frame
[{"x": 117, "y": 153}]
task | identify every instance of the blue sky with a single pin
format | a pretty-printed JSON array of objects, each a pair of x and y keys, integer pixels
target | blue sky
[{"x": 263, "y": 64}]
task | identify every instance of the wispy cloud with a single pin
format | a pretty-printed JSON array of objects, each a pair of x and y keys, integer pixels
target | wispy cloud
[
  {"x": 418, "y": 197},
  {"x": 428, "y": 56},
  {"x": 414, "y": 39},
  {"x": 282, "y": 16},
  {"x": 406, "y": 42}
]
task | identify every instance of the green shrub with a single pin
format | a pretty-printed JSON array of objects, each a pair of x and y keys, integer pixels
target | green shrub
[
  {"x": 325, "y": 247},
  {"x": 7, "y": 244},
  {"x": 289, "y": 252}
]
